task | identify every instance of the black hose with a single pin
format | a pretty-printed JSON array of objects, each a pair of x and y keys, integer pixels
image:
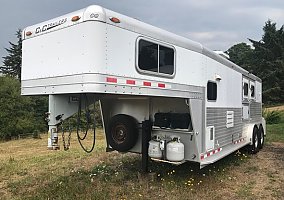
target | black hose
[{"x": 88, "y": 120}]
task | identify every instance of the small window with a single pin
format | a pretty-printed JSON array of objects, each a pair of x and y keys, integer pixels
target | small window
[
  {"x": 166, "y": 60},
  {"x": 245, "y": 89},
  {"x": 252, "y": 91},
  {"x": 148, "y": 56},
  {"x": 211, "y": 91},
  {"x": 211, "y": 133},
  {"x": 155, "y": 57}
]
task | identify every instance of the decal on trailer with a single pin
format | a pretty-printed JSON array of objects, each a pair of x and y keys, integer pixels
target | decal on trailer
[{"x": 49, "y": 26}]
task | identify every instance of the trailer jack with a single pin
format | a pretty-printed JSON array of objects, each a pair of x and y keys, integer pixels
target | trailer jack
[
  {"x": 53, "y": 139},
  {"x": 146, "y": 137},
  {"x": 85, "y": 120}
]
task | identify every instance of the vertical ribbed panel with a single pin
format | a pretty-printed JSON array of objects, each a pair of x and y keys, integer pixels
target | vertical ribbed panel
[
  {"x": 217, "y": 117},
  {"x": 255, "y": 111}
]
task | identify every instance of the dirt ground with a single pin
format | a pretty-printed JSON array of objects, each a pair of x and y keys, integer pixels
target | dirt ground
[{"x": 262, "y": 177}]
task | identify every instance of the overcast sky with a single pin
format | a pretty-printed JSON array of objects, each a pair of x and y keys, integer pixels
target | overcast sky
[{"x": 217, "y": 24}]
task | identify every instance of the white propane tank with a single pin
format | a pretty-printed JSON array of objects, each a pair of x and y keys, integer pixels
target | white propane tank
[
  {"x": 175, "y": 150},
  {"x": 154, "y": 150}
]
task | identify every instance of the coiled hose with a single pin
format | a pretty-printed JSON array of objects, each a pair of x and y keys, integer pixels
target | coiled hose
[{"x": 88, "y": 121}]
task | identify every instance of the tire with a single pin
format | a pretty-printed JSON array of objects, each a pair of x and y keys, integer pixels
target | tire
[
  {"x": 254, "y": 147},
  {"x": 260, "y": 138},
  {"x": 122, "y": 133}
]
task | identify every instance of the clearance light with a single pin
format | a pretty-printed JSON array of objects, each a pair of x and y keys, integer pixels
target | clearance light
[
  {"x": 29, "y": 33},
  {"x": 114, "y": 20},
  {"x": 75, "y": 18}
]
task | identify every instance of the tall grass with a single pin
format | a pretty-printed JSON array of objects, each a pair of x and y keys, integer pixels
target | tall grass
[{"x": 275, "y": 126}]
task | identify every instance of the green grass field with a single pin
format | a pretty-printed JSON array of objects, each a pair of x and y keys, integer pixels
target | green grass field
[
  {"x": 29, "y": 171},
  {"x": 275, "y": 132}
]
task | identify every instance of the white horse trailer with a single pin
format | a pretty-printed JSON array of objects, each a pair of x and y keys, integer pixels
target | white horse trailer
[{"x": 195, "y": 104}]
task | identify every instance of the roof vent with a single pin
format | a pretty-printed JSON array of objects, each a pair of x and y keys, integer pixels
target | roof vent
[{"x": 221, "y": 53}]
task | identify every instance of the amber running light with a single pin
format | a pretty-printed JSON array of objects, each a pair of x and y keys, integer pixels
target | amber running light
[
  {"x": 115, "y": 20},
  {"x": 75, "y": 18},
  {"x": 28, "y": 33}
]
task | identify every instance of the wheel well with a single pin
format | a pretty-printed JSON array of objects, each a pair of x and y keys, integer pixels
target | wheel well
[
  {"x": 126, "y": 116},
  {"x": 261, "y": 127},
  {"x": 250, "y": 131}
]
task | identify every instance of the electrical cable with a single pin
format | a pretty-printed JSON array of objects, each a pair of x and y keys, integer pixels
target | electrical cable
[{"x": 88, "y": 120}]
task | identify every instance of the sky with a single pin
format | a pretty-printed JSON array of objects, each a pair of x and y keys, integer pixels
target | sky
[{"x": 217, "y": 24}]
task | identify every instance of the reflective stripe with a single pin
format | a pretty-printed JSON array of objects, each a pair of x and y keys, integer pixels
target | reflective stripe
[
  {"x": 111, "y": 80},
  {"x": 214, "y": 151},
  {"x": 131, "y": 82}
]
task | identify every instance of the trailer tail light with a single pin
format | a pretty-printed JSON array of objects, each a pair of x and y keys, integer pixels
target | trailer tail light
[
  {"x": 29, "y": 33},
  {"x": 75, "y": 18},
  {"x": 114, "y": 20}
]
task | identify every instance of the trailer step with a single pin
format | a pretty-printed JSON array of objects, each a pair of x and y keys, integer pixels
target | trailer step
[
  {"x": 226, "y": 150},
  {"x": 166, "y": 161}
]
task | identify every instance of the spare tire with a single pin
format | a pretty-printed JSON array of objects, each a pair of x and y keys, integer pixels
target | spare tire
[{"x": 122, "y": 133}]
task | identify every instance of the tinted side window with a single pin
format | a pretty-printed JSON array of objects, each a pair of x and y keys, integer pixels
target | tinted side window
[
  {"x": 245, "y": 89},
  {"x": 211, "y": 91},
  {"x": 166, "y": 60},
  {"x": 148, "y": 56},
  {"x": 252, "y": 90}
]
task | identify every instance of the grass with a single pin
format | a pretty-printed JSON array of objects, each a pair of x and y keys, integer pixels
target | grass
[
  {"x": 245, "y": 191},
  {"x": 29, "y": 171},
  {"x": 275, "y": 132}
]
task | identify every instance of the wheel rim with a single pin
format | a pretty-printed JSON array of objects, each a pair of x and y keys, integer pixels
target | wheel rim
[
  {"x": 119, "y": 133},
  {"x": 256, "y": 141},
  {"x": 261, "y": 137}
]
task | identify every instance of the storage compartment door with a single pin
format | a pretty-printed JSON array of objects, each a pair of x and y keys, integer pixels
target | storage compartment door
[
  {"x": 245, "y": 111},
  {"x": 209, "y": 138}
]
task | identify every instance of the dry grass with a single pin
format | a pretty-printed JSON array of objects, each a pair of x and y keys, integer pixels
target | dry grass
[
  {"x": 29, "y": 171},
  {"x": 279, "y": 108}
]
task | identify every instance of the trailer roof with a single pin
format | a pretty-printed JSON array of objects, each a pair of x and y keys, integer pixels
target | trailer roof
[{"x": 98, "y": 13}]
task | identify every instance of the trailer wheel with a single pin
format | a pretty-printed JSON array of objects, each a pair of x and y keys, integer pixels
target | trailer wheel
[
  {"x": 260, "y": 137},
  {"x": 253, "y": 148},
  {"x": 122, "y": 132}
]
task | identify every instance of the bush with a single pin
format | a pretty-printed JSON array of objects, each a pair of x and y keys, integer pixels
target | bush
[
  {"x": 19, "y": 114},
  {"x": 272, "y": 117}
]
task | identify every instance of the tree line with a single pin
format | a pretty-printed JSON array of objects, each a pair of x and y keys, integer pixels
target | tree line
[
  {"x": 265, "y": 59},
  {"x": 22, "y": 114}
]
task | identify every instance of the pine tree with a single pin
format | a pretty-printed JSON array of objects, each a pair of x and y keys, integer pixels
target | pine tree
[
  {"x": 265, "y": 60},
  {"x": 13, "y": 61},
  {"x": 268, "y": 62}
]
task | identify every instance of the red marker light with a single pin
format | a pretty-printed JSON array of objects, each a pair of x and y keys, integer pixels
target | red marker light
[
  {"x": 75, "y": 18},
  {"x": 114, "y": 20}
]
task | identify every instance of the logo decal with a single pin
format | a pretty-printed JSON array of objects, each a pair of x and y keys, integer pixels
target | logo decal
[{"x": 49, "y": 26}]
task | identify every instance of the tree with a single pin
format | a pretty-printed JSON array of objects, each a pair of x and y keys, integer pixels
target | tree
[
  {"x": 13, "y": 61},
  {"x": 268, "y": 62},
  {"x": 16, "y": 116},
  {"x": 265, "y": 60},
  {"x": 241, "y": 55}
]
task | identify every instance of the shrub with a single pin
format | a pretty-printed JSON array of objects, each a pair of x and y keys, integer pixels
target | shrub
[
  {"x": 272, "y": 117},
  {"x": 18, "y": 114}
]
